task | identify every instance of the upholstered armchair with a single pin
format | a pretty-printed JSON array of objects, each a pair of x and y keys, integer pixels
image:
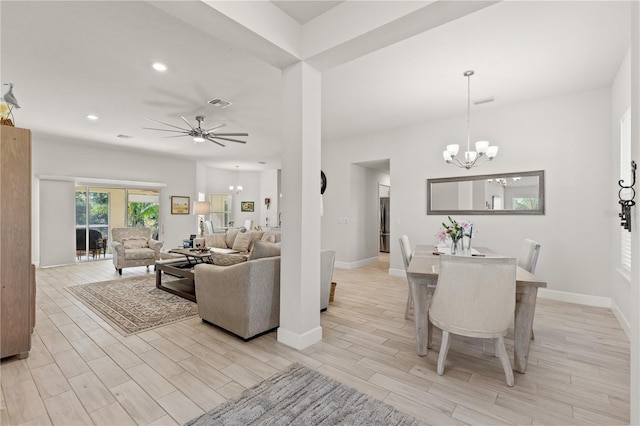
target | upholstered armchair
[{"x": 133, "y": 247}]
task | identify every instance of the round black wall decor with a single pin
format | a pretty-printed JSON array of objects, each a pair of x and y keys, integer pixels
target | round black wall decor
[{"x": 323, "y": 182}]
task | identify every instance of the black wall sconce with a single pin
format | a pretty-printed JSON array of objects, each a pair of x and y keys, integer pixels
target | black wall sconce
[{"x": 625, "y": 205}]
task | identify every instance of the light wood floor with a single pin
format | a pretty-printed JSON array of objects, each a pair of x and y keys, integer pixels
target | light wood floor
[{"x": 82, "y": 371}]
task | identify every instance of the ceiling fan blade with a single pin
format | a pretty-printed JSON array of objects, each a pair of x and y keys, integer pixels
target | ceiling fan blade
[
  {"x": 230, "y": 134},
  {"x": 228, "y": 139},
  {"x": 166, "y": 124},
  {"x": 189, "y": 124},
  {"x": 183, "y": 131},
  {"x": 214, "y": 127},
  {"x": 211, "y": 140},
  {"x": 176, "y": 136}
]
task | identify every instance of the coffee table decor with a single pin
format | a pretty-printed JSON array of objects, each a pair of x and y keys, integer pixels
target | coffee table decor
[{"x": 134, "y": 304}]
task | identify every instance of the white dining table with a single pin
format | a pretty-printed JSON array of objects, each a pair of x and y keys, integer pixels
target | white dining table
[{"x": 422, "y": 275}]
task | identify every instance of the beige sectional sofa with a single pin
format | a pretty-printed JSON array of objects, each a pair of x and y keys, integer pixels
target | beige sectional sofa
[
  {"x": 237, "y": 239},
  {"x": 244, "y": 298}
]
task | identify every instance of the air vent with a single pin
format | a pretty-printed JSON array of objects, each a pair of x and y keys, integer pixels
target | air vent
[{"x": 219, "y": 103}]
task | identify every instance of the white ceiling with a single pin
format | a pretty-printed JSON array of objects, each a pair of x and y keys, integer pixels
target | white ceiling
[{"x": 70, "y": 59}]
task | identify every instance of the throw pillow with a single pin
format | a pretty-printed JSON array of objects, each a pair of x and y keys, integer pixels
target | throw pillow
[
  {"x": 264, "y": 249},
  {"x": 230, "y": 236},
  {"x": 134, "y": 243},
  {"x": 242, "y": 242},
  {"x": 268, "y": 237},
  {"x": 227, "y": 259},
  {"x": 215, "y": 240},
  {"x": 255, "y": 236}
]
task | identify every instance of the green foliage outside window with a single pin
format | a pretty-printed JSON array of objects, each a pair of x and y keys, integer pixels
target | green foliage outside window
[{"x": 143, "y": 215}]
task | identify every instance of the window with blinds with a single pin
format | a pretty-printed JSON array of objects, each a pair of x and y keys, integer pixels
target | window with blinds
[{"x": 625, "y": 174}]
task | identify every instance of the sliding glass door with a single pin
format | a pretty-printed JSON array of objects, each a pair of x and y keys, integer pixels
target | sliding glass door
[
  {"x": 92, "y": 222},
  {"x": 98, "y": 210}
]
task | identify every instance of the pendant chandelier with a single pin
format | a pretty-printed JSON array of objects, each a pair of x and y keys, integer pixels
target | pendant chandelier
[
  {"x": 237, "y": 188},
  {"x": 483, "y": 150}
]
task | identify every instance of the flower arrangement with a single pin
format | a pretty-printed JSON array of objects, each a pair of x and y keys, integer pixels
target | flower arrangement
[{"x": 454, "y": 231}]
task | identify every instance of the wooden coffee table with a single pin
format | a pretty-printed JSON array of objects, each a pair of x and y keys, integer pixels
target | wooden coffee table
[
  {"x": 182, "y": 268},
  {"x": 184, "y": 286}
]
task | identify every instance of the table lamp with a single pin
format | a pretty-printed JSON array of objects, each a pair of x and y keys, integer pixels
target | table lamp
[{"x": 201, "y": 208}]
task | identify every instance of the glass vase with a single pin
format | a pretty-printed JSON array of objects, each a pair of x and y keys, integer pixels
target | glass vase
[{"x": 455, "y": 247}]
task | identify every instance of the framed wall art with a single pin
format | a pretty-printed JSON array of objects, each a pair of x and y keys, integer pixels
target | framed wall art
[
  {"x": 179, "y": 205},
  {"x": 246, "y": 206}
]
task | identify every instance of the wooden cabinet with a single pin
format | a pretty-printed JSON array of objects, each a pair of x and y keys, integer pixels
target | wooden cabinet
[{"x": 17, "y": 274}]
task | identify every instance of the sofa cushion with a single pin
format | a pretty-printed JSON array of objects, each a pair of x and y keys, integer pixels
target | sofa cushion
[
  {"x": 271, "y": 236},
  {"x": 227, "y": 259},
  {"x": 264, "y": 249},
  {"x": 255, "y": 236},
  {"x": 134, "y": 243},
  {"x": 242, "y": 242},
  {"x": 215, "y": 240},
  {"x": 230, "y": 236},
  {"x": 139, "y": 253}
]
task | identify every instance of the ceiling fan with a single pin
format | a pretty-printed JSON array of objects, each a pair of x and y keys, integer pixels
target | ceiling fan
[{"x": 198, "y": 133}]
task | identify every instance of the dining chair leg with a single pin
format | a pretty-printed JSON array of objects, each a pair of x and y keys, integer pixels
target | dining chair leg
[
  {"x": 444, "y": 349},
  {"x": 409, "y": 304},
  {"x": 496, "y": 348},
  {"x": 504, "y": 358}
]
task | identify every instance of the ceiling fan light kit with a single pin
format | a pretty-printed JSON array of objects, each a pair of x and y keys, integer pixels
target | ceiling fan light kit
[
  {"x": 483, "y": 151},
  {"x": 199, "y": 134}
]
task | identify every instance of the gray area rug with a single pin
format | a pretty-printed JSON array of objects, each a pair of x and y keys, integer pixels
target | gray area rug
[
  {"x": 301, "y": 396},
  {"x": 134, "y": 304}
]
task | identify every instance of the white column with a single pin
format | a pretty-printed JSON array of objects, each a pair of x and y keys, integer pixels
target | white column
[{"x": 300, "y": 206}]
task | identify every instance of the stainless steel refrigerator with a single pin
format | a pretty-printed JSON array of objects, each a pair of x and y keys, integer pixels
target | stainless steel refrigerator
[{"x": 385, "y": 224}]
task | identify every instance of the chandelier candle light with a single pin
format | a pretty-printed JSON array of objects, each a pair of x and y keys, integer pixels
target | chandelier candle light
[
  {"x": 483, "y": 150},
  {"x": 237, "y": 188}
]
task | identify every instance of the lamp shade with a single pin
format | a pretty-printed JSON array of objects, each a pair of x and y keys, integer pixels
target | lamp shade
[{"x": 201, "y": 207}]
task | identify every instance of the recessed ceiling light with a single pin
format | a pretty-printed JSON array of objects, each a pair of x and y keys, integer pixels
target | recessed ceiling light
[
  {"x": 92, "y": 117},
  {"x": 124, "y": 136},
  {"x": 159, "y": 67},
  {"x": 262, "y": 162}
]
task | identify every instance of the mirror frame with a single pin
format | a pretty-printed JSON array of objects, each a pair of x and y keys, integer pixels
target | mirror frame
[{"x": 541, "y": 203}]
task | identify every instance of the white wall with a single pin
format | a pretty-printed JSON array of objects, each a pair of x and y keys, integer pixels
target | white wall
[
  {"x": 569, "y": 137},
  {"x": 51, "y": 157},
  {"x": 218, "y": 182}
]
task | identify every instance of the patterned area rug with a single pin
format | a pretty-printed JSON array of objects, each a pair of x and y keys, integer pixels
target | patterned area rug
[
  {"x": 134, "y": 304},
  {"x": 301, "y": 396}
]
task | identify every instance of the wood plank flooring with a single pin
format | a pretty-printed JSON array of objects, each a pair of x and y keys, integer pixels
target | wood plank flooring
[{"x": 81, "y": 371}]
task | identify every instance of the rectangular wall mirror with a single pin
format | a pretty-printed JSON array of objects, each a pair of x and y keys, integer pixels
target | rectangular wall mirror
[{"x": 505, "y": 193}]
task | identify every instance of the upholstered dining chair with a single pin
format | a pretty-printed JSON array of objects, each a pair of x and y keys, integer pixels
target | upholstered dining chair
[
  {"x": 405, "y": 249},
  {"x": 475, "y": 297},
  {"x": 528, "y": 258}
]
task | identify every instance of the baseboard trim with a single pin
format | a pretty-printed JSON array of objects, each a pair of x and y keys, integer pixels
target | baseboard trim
[
  {"x": 581, "y": 299},
  {"x": 354, "y": 265},
  {"x": 397, "y": 272},
  {"x": 297, "y": 340},
  {"x": 624, "y": 323}
]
